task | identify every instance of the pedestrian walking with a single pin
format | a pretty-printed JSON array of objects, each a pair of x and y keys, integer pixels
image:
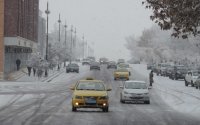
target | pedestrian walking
[
  {"x": 34, "y": 71},
  {"x": 29, "y": 70},
  {"x": 18, "y": 63},
  {"x": 151, "y": 78}
]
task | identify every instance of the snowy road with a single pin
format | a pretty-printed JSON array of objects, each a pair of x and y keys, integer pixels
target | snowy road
[{"x": 50, "y": 103}]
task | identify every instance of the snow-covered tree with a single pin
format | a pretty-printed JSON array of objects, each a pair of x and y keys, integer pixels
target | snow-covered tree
[{"x": 181, "y": 15}]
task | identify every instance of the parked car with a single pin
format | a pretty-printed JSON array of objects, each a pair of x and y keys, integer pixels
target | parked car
[
  {"x": 134, "y": 91},
  {"x": 73, "y": 67},
  {"x": 197, "y": 83},
  {"x": 112, "y": 64},
  {"x": 191, "y": 77},
  {"x": 178, "y": 72},
  {"x": 161, "y": 69},
  {"x": 95, "y": 65}
]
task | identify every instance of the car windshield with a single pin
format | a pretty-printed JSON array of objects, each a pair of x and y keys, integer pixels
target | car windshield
[
  {"x": 97, "y": 86},
  {"x": 135, "y": 85},
  {"x": 73, "y": 65},
  {"x": 123, "y": 65},
  {"x": 122, "y": 70}
]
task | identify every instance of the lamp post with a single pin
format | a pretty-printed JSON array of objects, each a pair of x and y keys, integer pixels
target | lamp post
[
  {"x": 71, "y": 44},
  {"x": 59, "y": 21},
  {"x": 47, "y": 37},
  {"x": 59, "y": 45},
  {"x": 65, "y": 41},
  {"x": 83, "y": 47},
  {"x": 74, "y": 44}
]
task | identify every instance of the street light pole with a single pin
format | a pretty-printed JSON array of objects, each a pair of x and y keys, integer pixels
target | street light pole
[
  {"x": 74, "y": 45},
  {"x": 65, "y": 41},
  {"x": 83, "y": 47},
  {"x": 59, "y": 45},
  {"x": 47, "y": 37},
  {"x": 59, "y": 21},
  {"x": 71, "y": 44}
]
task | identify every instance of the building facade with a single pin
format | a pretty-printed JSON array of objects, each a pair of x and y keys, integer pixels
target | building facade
[
  {"x": 41, "y": 35},
  {"x": 19, "y": 29}
]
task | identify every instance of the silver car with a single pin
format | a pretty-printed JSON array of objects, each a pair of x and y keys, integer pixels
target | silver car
[{"x": 134, "y": 91}]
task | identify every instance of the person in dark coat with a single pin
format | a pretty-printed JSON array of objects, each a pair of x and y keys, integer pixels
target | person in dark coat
[
  {"x": 151, "y": 77},
  {"x": 34, "y": 71},
  {"x": 18, "y": 62},
  {"x": 29, "y": 70}
]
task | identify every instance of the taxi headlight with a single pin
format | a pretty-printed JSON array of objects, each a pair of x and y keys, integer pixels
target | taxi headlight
[
  {"x": 103, "y": 97},
  {"x": 78, "y": 97}
]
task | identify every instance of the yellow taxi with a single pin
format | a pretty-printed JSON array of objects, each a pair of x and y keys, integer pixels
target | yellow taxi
[
  {"x": 90, "y": 93},
  {"x": 122, "y": 74}
]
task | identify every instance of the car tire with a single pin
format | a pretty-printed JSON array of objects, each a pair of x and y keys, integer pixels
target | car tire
[
  {"x": 115, "y": 79},
  {"x": 77, "y": 71},
  {"x": 105, "y": 109},
  {"x": 74, "y": 109},
  {"x": 147, "y": 102}
]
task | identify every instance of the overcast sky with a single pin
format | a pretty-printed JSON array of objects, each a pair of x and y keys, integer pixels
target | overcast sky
[{"x": 105, "y": 23}]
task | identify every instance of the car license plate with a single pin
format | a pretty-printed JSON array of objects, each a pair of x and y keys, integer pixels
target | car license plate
[{"x": 90, "y": 100}]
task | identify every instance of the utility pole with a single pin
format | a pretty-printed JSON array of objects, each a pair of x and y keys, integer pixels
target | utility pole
[
  {"x": 59, "y": 21},
  {"x": 71, "y": 44},
  {"x": 83, "y": 47},
  {"x": 74, "y": 44},
  {"x": 47, "y": 37},
  {"x": 59, "y": 44},
  {"x": 65, "y": 41}
]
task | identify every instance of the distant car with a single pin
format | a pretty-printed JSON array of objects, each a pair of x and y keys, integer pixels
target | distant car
[
  {"x": 73, "y": 67},
  {"x": 191, "y": 77},
  {"x": 95, "y": 65},
  {"x": 120, "y": 61},
  {"x": 103, "y": 60},
  {"x": 90, "y": 93},
  {"x": 178, "y": 72},
  {"x": 134, "y": 91},
  {"x": 86, "y": 62},
  {"x": 112, "y": 65},
  {"x": 124, "y": 66},
  {"x": 121, "y": 74}
]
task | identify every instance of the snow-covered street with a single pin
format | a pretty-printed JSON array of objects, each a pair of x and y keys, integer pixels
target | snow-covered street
[{"x": 49, "y": 103}]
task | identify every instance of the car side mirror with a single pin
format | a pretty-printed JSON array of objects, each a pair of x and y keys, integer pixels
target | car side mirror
[
  {"x": 109, "y": 89},
  {"x": 72, "y": 88}
]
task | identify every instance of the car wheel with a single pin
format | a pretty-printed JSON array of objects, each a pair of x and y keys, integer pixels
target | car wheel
[
  {"x": 77, "y": 71},
  {"x": 115, "y": 79},
  {"x": 147, "y": 102},
  {"x": 192, "y": 83},
  {"x": 121, "y": 100},
  {"x": 74, "y": 109},
  {"x": 105, "y": 109}
]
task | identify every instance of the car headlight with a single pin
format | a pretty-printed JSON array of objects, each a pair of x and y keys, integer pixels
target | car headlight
[
  {"x": 78, "y": 97},
  {"x": 103, "y": 97}
]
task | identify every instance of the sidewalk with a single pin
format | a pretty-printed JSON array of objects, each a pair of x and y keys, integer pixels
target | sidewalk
[{"x": 22, "y": 75}]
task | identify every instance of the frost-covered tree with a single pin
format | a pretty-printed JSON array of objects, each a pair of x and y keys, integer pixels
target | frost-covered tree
[{"x": 183, "y": 16}]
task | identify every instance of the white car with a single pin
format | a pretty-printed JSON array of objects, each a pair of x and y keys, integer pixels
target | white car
[
  {"x": 191, "y": 77},
  {"x": 134, "y": 91}
]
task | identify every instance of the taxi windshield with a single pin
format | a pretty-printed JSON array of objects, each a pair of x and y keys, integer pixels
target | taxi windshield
[{"x": 97, "y": 86}]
